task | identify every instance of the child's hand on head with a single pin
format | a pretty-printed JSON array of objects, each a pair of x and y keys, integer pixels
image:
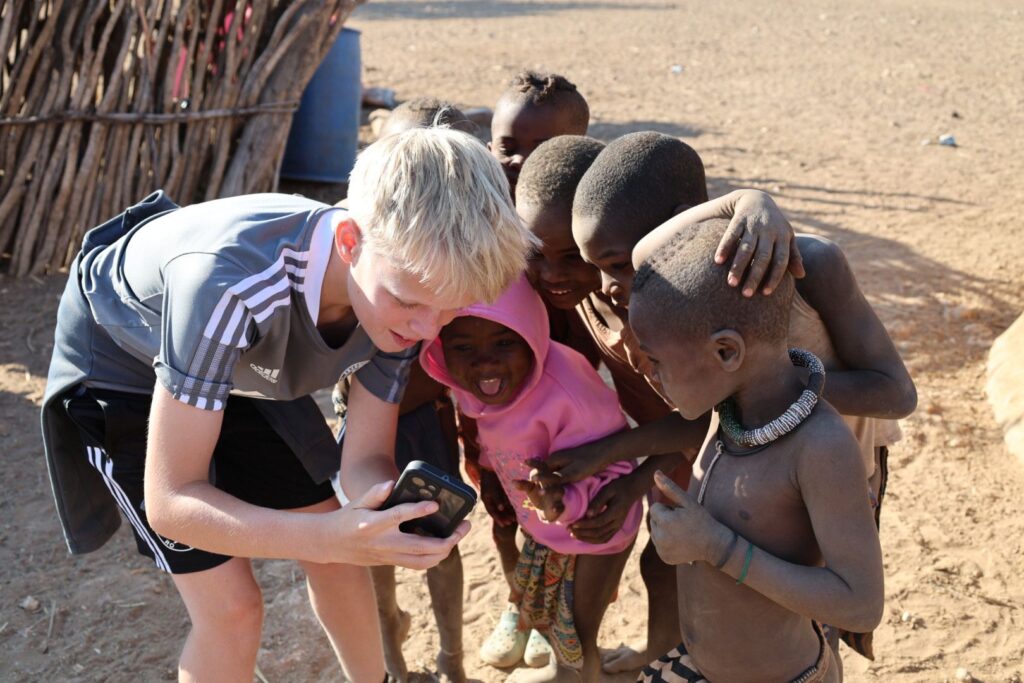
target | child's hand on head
[
  {"x": 546, "y": 500},
  {"x": 683, "y": 531},
  {"x": 762, "y": 242}
]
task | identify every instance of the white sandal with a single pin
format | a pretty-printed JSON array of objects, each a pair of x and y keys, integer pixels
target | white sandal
[
  {"x": 538, "y": 650},
  {"x": 505, "y": 646}
]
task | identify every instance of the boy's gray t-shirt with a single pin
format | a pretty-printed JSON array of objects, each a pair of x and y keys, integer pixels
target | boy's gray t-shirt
[
  {"x": 212, "y": 298},
  {"x": 208, "y": 300}
]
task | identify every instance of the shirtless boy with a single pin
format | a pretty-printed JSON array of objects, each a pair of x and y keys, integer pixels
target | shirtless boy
[
  {"x": 771, "y": 540},
  {"x": 619, "y": 201},
  {"x": 870, "y": 385}
]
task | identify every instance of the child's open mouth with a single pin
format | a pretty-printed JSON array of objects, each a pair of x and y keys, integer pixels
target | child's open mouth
[{"x": 491, "y": 386}]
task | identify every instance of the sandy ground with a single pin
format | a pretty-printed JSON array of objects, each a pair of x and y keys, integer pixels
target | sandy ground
[{"x": 824, "y": 104}]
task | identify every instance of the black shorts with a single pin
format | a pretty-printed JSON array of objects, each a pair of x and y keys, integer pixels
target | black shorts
[{"x": 250, "y": 461}]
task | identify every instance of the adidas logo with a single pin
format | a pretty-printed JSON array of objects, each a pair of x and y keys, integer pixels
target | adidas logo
[{"x": 266, "y": 373}]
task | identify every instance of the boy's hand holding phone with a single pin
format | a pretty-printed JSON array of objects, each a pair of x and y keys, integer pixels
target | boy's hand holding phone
[{"x": 421, "y": 481}]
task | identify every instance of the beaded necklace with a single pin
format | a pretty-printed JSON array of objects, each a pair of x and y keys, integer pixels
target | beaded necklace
[
  {"x": 759, "y": 438},
  {"x": 789, "y": 420}
]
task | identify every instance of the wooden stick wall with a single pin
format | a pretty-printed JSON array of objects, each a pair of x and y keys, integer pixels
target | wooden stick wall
[{"x": 104, "y": 101}]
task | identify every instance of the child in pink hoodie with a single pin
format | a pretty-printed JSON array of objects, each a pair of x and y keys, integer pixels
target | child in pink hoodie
[{"x": 531, "y": 396}]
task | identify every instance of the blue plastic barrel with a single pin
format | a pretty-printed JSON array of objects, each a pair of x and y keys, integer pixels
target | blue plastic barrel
[{"x": 324, "y": 136}]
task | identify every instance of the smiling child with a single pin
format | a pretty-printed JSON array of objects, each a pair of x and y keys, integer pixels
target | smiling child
[{"x": 531, "y": 396}]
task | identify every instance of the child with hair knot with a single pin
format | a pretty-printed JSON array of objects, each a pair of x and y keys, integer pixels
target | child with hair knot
[{"x": 533, "y": 109}]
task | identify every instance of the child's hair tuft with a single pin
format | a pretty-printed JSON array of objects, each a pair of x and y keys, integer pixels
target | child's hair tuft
[{"x": 551, "y": 89}]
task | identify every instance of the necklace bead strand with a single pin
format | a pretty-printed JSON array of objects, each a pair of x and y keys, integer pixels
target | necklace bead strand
[{"x": 789, "y": 420}]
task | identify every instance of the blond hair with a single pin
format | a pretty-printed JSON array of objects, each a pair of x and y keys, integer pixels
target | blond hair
[{"x": 435, "y": 202}]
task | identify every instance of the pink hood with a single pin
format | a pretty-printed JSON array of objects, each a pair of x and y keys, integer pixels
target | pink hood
[
  {"x": 563, "y": 403},
  {"x": 519, "y": 308}
]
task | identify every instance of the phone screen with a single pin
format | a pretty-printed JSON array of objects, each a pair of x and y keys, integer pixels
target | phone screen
[
  {"x": 448, "y": 504},
  {"x": 415, "y": 486}
]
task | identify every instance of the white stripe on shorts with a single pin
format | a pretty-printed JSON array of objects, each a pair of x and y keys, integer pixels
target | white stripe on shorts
[{"x": 105, "y": 466}]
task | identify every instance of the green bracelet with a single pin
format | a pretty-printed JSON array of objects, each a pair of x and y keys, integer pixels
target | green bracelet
[
  {"x": 728, "y": 551},
  {"x": 746, "y": 563}
]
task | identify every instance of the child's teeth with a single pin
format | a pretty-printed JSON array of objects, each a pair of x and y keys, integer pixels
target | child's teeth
[{"x": 490, "y": 387}]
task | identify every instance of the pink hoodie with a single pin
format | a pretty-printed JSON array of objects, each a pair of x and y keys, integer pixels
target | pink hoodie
[{"x": 563, "y": 403}]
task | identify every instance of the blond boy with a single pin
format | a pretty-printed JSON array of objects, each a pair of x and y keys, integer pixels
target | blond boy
[{"x": 172, "y": 314}]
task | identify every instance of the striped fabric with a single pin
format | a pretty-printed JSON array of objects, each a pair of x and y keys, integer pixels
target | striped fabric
[
  {"x": 232, "y": 328},
  {"x": 674, "y": 667},
  {"x": 105, "y": 466}
]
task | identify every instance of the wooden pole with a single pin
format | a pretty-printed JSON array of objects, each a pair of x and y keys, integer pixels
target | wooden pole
[{"x": 104, "y": 101}]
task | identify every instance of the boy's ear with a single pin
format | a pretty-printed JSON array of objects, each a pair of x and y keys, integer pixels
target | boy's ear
[
  {"x": 679, "y": 209},
  {"x": 729, "y": 349},
  {"x": 346, "y": 239}
]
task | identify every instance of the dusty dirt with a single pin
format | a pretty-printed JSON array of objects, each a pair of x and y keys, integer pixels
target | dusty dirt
[{"x": 825, "y": 105}]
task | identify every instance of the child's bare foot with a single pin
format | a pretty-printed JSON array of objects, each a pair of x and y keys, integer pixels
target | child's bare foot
[
  {"x": 625, "y": 658},
  {"x": 449, "y": 667},
  {"x": 394, "y": 632}
]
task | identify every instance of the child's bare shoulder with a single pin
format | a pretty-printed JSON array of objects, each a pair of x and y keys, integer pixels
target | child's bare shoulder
[
  {"x": 828, "y": 274},
  {"x": 825, "y": 448},
  {"x": 817, "y": 250}
]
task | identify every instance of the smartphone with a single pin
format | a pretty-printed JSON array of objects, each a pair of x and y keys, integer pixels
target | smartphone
[{"x": 422, "y": 481}]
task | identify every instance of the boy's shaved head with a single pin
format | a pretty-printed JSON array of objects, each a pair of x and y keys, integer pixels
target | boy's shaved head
[
  {"x": 550, "y": 176},
  {"x": 550, "y": 89},
  {"x": 425, "y": 112},
  {"x": 682, "y": 292},
  {"x": 638, "y": 182}
]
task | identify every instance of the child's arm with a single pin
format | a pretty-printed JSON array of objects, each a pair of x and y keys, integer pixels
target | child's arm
[
  {"x": 667, "y": 435},
  {"x": 492, "y": 494},
  {"x": 759, "y": 233},
  {"x": 663, "y": 443},
  {"x": 495, "y": 500},
  {"x": 847, "y": 592},
  {"x": 873, "y": 382},
  {"x": 577, "y": 496},
  {"x": 608, "y": 509}
]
